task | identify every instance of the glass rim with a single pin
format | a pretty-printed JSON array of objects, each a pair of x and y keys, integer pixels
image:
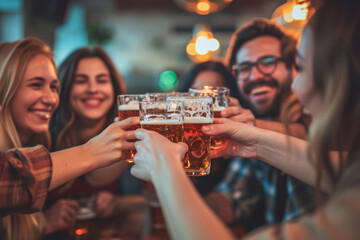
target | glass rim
[
  {"x": 131, "y": 95},
  {"x": 152, "y": 101},
  {"x": 209, "y": 88}
]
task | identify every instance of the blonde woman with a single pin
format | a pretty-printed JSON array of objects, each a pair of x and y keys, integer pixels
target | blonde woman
[{"x": 29, "y": 96}]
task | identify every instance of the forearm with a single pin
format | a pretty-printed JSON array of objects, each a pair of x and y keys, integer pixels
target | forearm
[
  {"x": 71, "y": 163},
  {"x": 288, "y": 154},
  {"x": 296, "y": 129},
  {"x": 186, "y": 214},
  {"x": 106, "y": 175}
]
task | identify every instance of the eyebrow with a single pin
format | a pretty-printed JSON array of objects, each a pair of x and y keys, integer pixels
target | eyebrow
[
  {"x": 35, "y": 78},
  {"x": 41, "y": 79},
  {"x": 86, "y": 76}
]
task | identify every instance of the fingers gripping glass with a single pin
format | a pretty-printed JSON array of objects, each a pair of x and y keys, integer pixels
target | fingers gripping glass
[{"x": 265, "y": 65}]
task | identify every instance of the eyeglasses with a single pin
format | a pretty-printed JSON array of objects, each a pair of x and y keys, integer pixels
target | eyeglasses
[{"x": 266, "y": 65}]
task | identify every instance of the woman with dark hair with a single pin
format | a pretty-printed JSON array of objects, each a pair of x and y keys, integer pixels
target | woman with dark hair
[
  {"x": 210, "y": 73},
  {"x": 328, "y": 85},
  {"x": 67, "y": 118},
  {"x": 89, "y": 86}
]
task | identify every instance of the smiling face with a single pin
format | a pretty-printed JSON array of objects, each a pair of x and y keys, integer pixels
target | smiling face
[
  {"x": 263, "y": 91},
  {"x": 92, "y": 93},
  {"x": 36, "y": 98}
]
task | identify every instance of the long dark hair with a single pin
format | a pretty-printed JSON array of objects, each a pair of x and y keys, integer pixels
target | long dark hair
[
  {"x": 336, "y": 63},
  {"x": 216, "y": 66},
  {"x": 62, "y": 122}
]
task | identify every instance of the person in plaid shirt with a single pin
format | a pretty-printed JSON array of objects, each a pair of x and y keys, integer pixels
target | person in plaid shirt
[
  {"x": 28, "y": 96},
  {"x": 262, "y": 58}
]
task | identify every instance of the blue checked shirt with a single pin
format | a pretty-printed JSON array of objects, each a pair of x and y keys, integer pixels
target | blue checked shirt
[{"x": 252, "y": 188}]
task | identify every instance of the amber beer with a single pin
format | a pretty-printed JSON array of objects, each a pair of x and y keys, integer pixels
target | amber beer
[
  {"x": 197, "y": 159},
  {"x": 124, "y": 112},
  {"x": 172, "y": 130},
  {"x": 218, "y": 142}
]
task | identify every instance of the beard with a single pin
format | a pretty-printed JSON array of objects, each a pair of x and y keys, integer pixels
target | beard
[{"x": 273, "y": 111}]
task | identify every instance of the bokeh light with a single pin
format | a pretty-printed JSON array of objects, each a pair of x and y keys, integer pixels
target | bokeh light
[{"x": 168, "y": 80}]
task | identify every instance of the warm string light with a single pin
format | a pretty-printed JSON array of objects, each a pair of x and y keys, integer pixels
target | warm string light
[
  {"x": 292, "y": 15},
  {"x": 203, "y": 7},
  {"x": 202, "y": 46}
]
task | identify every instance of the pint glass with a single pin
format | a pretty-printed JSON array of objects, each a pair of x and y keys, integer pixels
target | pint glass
[
  {"x": 221, "y": 101},
  {"x": 128, "y": 106},
  {"x": 197, "y": 113},
  {"x": 164, "y": 117}
]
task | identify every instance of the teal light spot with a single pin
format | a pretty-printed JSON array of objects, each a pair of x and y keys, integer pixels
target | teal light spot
[{"x": 168, "y": 80}]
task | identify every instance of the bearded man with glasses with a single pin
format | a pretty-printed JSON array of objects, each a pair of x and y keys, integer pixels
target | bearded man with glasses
[{"x": 262, "y": 58}]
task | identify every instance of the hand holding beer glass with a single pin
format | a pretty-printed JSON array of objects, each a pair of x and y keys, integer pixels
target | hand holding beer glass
[
  {"x": 221, "y": 101},
  {"x": 128, "y": 106},
  {"x": 166, "y": 118},
  {"x": 197, "y": 113}
]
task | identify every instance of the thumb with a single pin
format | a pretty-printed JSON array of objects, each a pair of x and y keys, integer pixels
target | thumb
[{"x": 184, "y": 147}]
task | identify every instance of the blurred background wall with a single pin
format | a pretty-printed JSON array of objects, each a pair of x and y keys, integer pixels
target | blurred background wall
[{"x": 143, "y": 37}]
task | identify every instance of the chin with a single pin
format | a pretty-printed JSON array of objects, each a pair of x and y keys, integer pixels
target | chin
[
  {"x": 94, "y": 118},
  {"x": 39, "y": 130}
]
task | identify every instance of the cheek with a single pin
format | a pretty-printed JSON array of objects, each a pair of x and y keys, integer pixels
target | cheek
[
  {"x": 241, "y": 85},
  {"x": 302, "y": 88},
  {"x": 282, "y": 74},
  {"x": 57, "y": 101},
  {"x": 108, "y": 90},
  {"x": 76, "y": 90}
]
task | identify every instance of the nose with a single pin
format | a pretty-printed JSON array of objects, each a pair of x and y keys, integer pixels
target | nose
[
  {"x": 255, "y": 74},
  {"x": 92, "y": 87},
  {"x": 50, "y": 97}
]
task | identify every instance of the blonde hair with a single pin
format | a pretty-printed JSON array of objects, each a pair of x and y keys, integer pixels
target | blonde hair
[{"x": 14, "y": 58}]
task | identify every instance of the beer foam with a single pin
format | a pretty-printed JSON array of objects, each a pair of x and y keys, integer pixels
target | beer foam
[
  {"x": 129, "y": 107},
  {"x": 218, "y": 108},
  {"x": 161, "y": 122},
  {"x": 198, "y": 120}
]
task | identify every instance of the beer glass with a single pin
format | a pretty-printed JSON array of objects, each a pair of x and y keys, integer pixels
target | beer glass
[
  {"x": 128, "y": 106},
  {"x": 164, "y": 117},
  {"x": 162, "y": 96},
  {"x": 85, "y": 218},
  {"x": 197, "y": 113},
  {"x": 221, "y": 101}
]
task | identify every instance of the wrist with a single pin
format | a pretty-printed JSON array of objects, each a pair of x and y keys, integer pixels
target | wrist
[
  {"x": 88, "y": 157},
  {"x": 168, "y": 170}
]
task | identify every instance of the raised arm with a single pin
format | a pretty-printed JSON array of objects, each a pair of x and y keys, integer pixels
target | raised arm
[
  {"x": 99, "y": 152},
  {"x": 106, "y": 175},
  {"x": 239, "y": 114},
  {"x": 287, "y": 153},
  {"x": 186, "y": 214}
]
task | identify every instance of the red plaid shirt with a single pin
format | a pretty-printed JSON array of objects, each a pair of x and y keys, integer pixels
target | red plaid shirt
[{"x": 25, "y": 176}]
